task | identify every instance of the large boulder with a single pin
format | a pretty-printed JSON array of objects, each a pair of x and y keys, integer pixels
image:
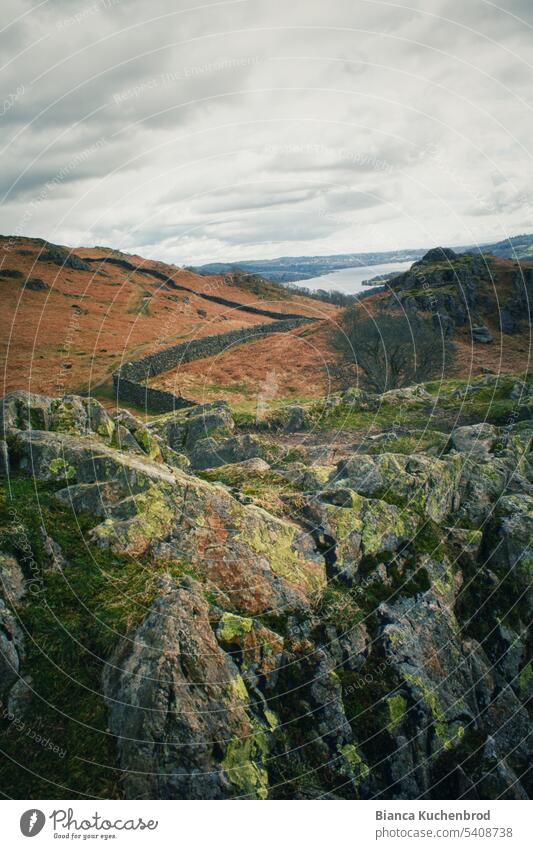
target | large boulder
[
  {"x": 180, "y": 710},
  {"x": 71, "y": 414},
  {"x": 422, "y": 484},
  {"x": 209, "y": 420},
  {"x": 475, "y": 440},
  {"x": 259, "y": 561},
  {"x": 210, "y": 452},
  {"x": 348, "y": 528}
]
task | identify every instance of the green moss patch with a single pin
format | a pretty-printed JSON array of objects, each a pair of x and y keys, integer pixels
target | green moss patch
[
  {"x": 397, "y": 706},
  {"x": 72, "y": 620},
  {"x": 244, "y": 763},
  {"x": 234, "y": 627}
]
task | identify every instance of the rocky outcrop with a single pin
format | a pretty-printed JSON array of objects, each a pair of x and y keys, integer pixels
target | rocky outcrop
[
  {"x": 71, "y": 414},
  {"x": 356, "y": 630},
  {"x": 12, "y": 643},
  {"x": 213, "y": 421},
  {"x": 437, "y": 255},
  {"x": 421, "y": 484},
  {"x": 60, "y": 256},
  {"x": 481, "y": 333},
  {"x": 211, "y": 452},
  {"x": 149, "y": 508},
  {"x": 81, "y": 417},
  {"x": 456, "y": 289},
  {"x": 186, "y": 725},
  {"x": 435, "y": 708}
]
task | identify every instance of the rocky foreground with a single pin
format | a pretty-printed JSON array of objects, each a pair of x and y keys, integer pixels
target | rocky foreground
[{"x": 196, "y": 609}]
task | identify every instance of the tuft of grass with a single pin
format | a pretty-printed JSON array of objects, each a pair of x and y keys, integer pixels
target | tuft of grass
[{"x": 139, "y": 303}]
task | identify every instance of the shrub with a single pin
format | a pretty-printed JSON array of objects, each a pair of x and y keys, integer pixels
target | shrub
[{"x": 392, "y": 351}]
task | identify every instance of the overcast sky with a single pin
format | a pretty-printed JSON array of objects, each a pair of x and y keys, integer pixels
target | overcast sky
[{"x": 195, "y": 132}]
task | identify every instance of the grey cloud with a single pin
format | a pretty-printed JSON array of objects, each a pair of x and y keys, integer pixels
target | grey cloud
[
  {"x": 255, "y": 197},
  {"x": 270, "y": 126}
]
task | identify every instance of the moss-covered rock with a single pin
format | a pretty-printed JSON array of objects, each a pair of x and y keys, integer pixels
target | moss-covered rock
[
  {"x": 428, "y": 486},
  {"x": 70, "y": 414},
  {"x": 209, "y": 452},
  {"x": 353, "y": 765},
  {"x": 234, "y": 627},
  {"x": 157, "y": 687},
  {"x": 397, "y": 706},
  {"x": 243, "y": 763},
  {"x": 343, "y": 632},
  {"x": 509, "y": 537},
  {"x": 346, "y": 527},
  {"x": 209, "y": 420}
]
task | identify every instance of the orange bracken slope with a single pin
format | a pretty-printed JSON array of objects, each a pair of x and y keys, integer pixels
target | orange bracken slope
[{"x": 74, "y": 327}]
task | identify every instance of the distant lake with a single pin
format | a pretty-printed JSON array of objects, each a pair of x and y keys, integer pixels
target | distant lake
[{"x": 349, "y": 280}]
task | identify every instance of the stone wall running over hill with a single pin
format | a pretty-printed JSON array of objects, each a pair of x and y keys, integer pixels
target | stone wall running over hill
[
  {"x": 145, "y": 398},
  {"x": 217, "y": 299},
  {"x": 130, "y": 380}
]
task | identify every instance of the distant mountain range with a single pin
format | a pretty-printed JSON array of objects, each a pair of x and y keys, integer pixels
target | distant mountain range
[
  {"x": 290, "y": 268},
  {"x": 516, "y": 247}
]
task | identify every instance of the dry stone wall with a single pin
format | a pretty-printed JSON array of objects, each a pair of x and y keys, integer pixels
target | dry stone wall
[
  {"x": 217, "y": 299},
  {"x": 130, "y": 381}
]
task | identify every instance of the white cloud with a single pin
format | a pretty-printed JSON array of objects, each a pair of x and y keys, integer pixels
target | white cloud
[{"x": 260, "y": 127}]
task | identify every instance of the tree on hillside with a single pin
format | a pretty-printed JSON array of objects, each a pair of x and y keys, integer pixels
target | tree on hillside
[{"x": 392, "y": 351}]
